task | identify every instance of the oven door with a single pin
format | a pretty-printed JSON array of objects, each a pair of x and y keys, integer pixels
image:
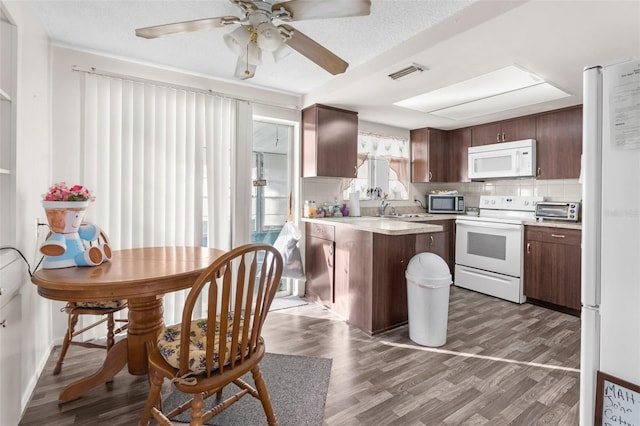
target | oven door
[{"x": 490, "y": 246}]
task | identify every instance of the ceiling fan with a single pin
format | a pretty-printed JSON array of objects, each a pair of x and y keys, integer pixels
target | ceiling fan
[{"x": 257, "y": 32}]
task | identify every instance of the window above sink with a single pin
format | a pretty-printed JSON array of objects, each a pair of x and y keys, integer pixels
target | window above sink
[{"x": 383, "y": 168}]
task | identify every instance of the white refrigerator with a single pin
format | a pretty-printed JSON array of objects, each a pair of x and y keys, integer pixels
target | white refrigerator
[{"x": 610, "y": 340}]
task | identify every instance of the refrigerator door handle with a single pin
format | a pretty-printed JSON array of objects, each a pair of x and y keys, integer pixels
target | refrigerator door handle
[{"x": 592, "y": 186}]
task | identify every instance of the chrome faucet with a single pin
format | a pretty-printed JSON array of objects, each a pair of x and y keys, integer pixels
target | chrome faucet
[{"x": 383, "y": 207}]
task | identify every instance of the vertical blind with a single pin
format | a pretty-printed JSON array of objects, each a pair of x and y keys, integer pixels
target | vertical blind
[{"x": 146, "y": 152}]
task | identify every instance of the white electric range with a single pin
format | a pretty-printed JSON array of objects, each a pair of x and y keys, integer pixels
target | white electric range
[{"x": 489, "y": 254}]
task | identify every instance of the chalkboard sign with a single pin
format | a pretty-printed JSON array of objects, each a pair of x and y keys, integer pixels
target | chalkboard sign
[{"x": 617, "y": 401}]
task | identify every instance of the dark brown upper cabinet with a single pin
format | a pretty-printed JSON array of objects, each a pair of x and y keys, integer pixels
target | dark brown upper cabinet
[
  {"x": 329, "y": 142},
  {"x": 459, "y": 141},
  {"x": 504, "y": 131},
  {"x": 559, "y": 144},
  {"x": 429, "y": 155}
]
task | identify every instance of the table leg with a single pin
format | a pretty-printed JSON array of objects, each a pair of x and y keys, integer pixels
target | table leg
[
  {"x": 145, "y": 325},
  {"x": 114, "y": 362}
]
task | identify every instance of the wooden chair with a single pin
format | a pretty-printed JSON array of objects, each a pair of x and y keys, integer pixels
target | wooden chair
[
  {"x": 105, "y": 309},
  {"x": 242, "y": 284}
]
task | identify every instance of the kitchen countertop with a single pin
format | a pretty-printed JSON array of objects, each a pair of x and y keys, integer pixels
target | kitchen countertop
[
  {"x": 413, "y": 223},
  {"x": 389, "y": 226},
  {"x": 556, "y": 224}
]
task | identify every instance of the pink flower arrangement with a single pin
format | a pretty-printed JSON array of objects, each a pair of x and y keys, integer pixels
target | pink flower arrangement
[{"x": 61, "y": 192}]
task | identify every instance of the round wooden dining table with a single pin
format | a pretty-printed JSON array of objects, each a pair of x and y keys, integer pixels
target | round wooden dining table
[{"x": 141, "y": 276}]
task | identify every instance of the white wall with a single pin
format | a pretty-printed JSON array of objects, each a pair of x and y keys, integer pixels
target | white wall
[
  {"x": 383, "y": 129},
  {"x": 33, "y": 103}
]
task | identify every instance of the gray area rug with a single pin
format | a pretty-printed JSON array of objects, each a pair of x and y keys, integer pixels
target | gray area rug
[
  {"x": 297, "y": 386},
  {"x": 286, "y": 302}
]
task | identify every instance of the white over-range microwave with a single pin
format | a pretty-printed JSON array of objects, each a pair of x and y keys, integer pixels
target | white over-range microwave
[{"x": 502, "y": 160}]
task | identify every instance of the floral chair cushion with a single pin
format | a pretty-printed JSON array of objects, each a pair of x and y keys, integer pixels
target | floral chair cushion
[
  {"x": 110, "y": 304},
  {"x": 169, "y": 344}
]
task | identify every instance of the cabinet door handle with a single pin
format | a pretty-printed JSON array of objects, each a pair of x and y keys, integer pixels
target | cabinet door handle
[
  {"x": 431, "y": 240},
  {"x": 557, "y": 236},
  {"x": 504, "y": 137},
  {"x": 430, "y": 176},
  {"x": 528, "y": 248},
  {"x": 497, "y": 137},
  {"x": 539, "y": 171}
]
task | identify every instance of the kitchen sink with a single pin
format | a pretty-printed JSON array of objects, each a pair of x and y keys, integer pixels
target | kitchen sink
[{"x": 405, "y": 215}]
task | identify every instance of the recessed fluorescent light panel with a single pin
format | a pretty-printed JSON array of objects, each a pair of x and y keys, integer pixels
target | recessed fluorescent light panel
[{"x": 500, "y": 90}]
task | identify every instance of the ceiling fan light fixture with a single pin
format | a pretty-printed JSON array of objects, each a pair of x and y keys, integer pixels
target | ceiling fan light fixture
[
  {"x": 244, "y": 70},
  {"x": 256, "y": 31},
  {"x": 280, "y": 53},
  {"x": 269, "y": 37},
  {"x": 240, "y": 42}
]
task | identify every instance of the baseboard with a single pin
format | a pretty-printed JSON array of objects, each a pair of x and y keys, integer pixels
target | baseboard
[{"x": 33, "y": 381}]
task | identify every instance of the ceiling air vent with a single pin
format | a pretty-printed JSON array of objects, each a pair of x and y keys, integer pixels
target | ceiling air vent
[{"x": 406, "y": 71}]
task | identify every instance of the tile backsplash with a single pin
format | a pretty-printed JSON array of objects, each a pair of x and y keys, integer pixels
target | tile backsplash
[
  {"x": 551, "y": 190},
  {"x": 328, "y": 189}
]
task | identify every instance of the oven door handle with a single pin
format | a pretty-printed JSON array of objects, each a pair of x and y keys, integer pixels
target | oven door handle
[{"x": 490, "y": 225}]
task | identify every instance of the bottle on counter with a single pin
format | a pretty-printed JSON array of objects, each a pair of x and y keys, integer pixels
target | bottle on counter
[
  {"x": 328, "y": 209},
  {"x": 309, "y": 208}
]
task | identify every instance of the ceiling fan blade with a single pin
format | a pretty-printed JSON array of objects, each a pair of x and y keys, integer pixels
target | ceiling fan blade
[
  {"x": 186, "y": 26},
  {"x": 315, "y": 52},
  {"x": 314, "y": 9}
]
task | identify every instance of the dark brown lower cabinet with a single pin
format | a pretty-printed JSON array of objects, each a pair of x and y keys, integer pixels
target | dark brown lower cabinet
[
  {"x": 366, "y": 282},
  {"x": 353, "y": 273},
  {"x": 373, "y": 267},
  {"x": 552, "y": 267},
  {"x": 319, "y": 262},
  {"x": 440, "y": 243}
]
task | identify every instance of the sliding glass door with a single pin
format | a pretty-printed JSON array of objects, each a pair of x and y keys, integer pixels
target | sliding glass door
[{"x": 271, "y": 185}]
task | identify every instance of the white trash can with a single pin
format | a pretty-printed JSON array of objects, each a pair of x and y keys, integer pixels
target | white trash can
[{"x": 428, "y": 282}]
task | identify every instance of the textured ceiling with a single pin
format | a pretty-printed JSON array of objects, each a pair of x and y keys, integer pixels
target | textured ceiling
[
  {"x": 455, "y": 39},
  {"x": 108, "y": 26}
]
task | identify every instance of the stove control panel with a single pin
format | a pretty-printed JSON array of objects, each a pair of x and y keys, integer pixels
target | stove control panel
[{"x": 507, "y": 202}]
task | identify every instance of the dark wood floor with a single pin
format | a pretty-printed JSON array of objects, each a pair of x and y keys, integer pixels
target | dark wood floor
[{"x": 503, "y": 364}]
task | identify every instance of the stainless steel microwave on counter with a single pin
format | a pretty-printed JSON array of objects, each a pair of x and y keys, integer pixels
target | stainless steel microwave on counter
[
  {"x": 558, "y": 210},
  {"x": 445, "y": 203}
]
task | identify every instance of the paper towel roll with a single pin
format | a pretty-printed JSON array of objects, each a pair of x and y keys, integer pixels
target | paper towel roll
[{"x": 354, "y": 203}]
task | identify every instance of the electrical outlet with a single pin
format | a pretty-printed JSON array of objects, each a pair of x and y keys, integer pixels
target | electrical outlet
[{"x": 39, "y": 224}]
